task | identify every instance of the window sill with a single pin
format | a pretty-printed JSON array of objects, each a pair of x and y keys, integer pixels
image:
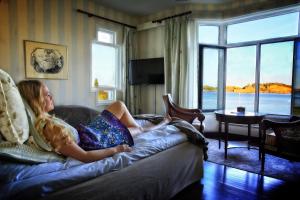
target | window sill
[{"x": 104, "y": 102}]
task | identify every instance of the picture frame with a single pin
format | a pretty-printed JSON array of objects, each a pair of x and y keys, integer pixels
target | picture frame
[{"x": 45, "y": 60}]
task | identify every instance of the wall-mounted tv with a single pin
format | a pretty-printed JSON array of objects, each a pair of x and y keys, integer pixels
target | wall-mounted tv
[{"x": 146, "y": 71}]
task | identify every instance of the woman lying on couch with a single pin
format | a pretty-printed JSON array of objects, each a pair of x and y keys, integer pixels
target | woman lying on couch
[{"x": 114, "y": 126}]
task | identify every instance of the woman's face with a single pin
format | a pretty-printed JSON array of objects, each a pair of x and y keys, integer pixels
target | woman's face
[{"x": 48, "y": 100}]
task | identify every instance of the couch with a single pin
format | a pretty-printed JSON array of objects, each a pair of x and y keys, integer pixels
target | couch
[{"x": 162, "y": 163}]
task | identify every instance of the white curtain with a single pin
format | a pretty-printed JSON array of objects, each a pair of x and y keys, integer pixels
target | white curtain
[
  {"x": 128, "y": 50},
  {"x": 192, "y": 53},
  {"x": 180, "y": 61}
]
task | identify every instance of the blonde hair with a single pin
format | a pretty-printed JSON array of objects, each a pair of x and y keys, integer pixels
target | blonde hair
[
  {"x": 31, "y": 91},
  {"x": 56, "y": 135}
]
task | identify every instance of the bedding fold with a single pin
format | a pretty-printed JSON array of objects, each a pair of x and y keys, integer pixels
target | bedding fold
[{"x": 193, "y": 135}]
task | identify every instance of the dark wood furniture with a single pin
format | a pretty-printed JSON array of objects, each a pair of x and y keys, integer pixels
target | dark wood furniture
[
  {"x": 287, "y": 142},
  {"x": 249, "y": 118},
  {"x": 183, "y": 113}
]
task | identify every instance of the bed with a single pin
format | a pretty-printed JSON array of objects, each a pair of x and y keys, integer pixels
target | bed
[{"x": 162, "y": 163}]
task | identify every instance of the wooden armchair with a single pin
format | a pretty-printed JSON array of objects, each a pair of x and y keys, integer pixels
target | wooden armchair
[
  {"x": 287, "y": 139},
  {"x": 183, "y": 113}
]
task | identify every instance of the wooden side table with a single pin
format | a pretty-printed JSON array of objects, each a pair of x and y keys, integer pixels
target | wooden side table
[{"x": 248, "y": 118}]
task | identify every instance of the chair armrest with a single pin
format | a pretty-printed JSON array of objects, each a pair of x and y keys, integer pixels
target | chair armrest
[
  {"x": 294, "y": 118},
  {"x": 183, "y": 113},
  {"x": 266, "y": 124},
  {"x": 279, "y": 129},
  {"x": 194, "y": 110},
  {"x": 187, "y": 114}
]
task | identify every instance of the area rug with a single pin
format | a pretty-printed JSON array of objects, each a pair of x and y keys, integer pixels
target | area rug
[{"x": 242, "y": 158}]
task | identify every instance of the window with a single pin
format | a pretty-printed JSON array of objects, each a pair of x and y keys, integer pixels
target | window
[
  {"x": 211, "y": 86},
  {"x": 240, "y": 77},
  {"x": 208, "y": 34},
  {"x": 106, "y": 36},
  {"x": 257, "y": 69},
  {"x": 276, "y": 64},
  {"x": 210, "y": 60},
  {"x": 105, "y": 66},
  {"x": 266, "y": 28},
  {"x": 104, "y": 62}
]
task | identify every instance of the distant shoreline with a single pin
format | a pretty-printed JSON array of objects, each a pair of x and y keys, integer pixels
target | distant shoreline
[{"x": 276, "y": 88}]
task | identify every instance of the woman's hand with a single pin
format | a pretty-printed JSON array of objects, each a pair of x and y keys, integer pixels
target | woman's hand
[
  {"x": 75, "y": 151},
  {"x": 123, "y": 148}
]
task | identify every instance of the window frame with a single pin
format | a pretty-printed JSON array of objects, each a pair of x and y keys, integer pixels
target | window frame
[
  {"x": 118, "y": 81},
  {"x": 221, "y": 75},
  {"x": 223, "y": 44},
  {"x": 113, "y": 33}
]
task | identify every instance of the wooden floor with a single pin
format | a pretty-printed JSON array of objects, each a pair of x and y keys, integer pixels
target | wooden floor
[{"x": 226, "y": 183}]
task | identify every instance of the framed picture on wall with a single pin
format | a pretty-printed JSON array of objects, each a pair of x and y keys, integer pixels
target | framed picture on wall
[{"x": 44, "y": 60}]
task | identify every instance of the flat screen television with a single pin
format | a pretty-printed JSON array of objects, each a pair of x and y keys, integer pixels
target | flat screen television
[{"x": 146, "y": 71}]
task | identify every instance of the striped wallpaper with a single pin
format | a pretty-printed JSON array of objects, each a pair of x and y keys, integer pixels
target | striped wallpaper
[{"x": 55, "y": 21}]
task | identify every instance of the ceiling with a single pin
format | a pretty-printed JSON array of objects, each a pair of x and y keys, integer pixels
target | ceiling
[{"x": 147, "y": 7}]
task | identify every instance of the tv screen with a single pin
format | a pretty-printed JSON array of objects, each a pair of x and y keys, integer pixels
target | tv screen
[{"x": 146, "y": 71}]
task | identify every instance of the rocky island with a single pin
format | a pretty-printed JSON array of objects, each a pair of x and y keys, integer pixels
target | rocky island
[{"x": 278, "y": 88}]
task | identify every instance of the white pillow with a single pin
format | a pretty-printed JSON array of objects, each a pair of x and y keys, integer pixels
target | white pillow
[{"x": 13, "y": 119}]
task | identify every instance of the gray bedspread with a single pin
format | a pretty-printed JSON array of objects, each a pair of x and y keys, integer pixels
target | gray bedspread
[
  {"x": 193, "y": 135},
  {"x": 24, "y": 181}
]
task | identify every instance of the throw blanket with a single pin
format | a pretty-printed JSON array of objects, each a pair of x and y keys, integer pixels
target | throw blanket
[{"x": 193, "y": 135}]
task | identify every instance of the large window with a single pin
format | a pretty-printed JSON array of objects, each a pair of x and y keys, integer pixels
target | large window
[
  {"x": 256, "y": 71},
  {"x": 105, "y": 66},
  {"x": 276, "y": 64},
  {"x": 240, "y": 77}
]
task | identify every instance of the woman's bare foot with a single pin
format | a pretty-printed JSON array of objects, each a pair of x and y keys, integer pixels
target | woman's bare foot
[{"x": 137, "y": 130}]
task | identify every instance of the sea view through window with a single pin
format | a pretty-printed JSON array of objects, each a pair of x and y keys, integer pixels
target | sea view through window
[{"x": 257, "y": 75}]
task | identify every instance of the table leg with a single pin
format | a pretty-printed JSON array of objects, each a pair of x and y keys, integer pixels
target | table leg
[
  {"x": 220, "y": 133},
  {"x": 249, "y": 132},
  {"x": 226, "y": 139}
]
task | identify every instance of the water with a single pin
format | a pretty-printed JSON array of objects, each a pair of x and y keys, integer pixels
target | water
[{"x": 268, "y": 102}]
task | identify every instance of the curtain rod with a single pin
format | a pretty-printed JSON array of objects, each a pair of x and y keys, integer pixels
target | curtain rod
[
  {"x": 173, "y": 16},
  {"x": 97, "y": 16}
]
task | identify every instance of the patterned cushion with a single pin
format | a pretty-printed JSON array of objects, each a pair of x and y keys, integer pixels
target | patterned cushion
[
  {"x": 13, "y": 120},
  {"x": 26, "y": 153}
]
